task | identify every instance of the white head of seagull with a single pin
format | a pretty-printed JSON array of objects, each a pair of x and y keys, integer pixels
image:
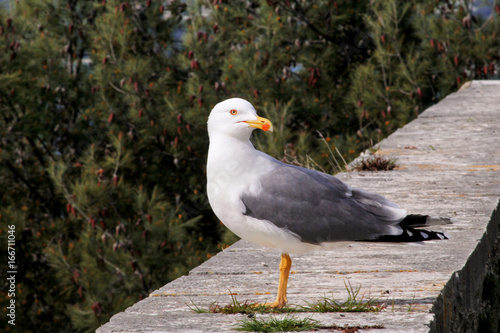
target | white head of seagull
[{"x": 237, "y": 118}]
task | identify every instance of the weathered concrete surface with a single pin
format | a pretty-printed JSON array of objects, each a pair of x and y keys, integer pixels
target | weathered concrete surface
[{"x": 449, "y": 165}]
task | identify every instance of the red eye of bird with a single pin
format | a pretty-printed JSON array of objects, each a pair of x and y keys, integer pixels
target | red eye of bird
[{"x": 233, "y": 112}]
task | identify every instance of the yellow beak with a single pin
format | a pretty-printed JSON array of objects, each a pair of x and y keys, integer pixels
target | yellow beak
[{"x": 261, "y": 123}]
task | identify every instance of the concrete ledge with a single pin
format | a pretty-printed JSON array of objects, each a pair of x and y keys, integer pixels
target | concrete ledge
[{"x": 449, "y": 165}]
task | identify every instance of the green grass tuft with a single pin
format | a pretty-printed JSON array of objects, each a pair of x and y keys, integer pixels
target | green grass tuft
[
  {"x": 286, "y": 324},
  {"x": 293, "y": 324},
  {"x": 244, "y": 308},
  {"x": 354, "y": 303},
  {"x": 196, "y": 309}
]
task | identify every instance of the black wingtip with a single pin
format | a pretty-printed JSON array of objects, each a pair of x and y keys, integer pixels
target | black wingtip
[{"x": 411, "y": 235}]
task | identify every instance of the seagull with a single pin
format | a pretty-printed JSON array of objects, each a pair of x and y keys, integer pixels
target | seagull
[{"x": 296, "y": 210}]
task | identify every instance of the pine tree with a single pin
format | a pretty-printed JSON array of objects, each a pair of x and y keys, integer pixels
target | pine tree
[
  {"x": 424, "y": 50},
  {"x": 133, "y": 182},
  {"x": 107, "y": 165},
  {"x": 291, "y": 59},
  {"x": 37, "y": 103}
]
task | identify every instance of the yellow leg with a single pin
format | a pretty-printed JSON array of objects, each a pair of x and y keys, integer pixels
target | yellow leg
[{"x": 285, "y": 265}]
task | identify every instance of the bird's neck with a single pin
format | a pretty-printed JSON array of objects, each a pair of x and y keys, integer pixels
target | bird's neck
[
  {"x": 226, "y": 148},
  {"x": 233, "y": 165}
]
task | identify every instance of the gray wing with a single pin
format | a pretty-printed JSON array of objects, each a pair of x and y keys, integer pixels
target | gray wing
[{"x": 321, "y": 208}]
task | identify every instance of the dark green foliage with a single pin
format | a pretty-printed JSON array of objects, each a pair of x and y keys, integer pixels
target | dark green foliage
[
  {"x": 423, "y": 51},
  {"x": 103, "y": 106},
  {"x": 104, "y": 177}
]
